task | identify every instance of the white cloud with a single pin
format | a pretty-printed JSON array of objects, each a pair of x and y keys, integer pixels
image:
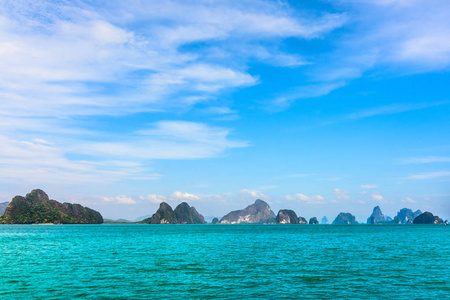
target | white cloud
[
  {"x": 341, "y": 194},
  {"x": 391, "y": 109},
  {"x": 316, "y": 199},
  {"x": 153, "y": 198},
  {"x": 254, "y": 194},
  {"x": 409, "y": 200},
  {"x": 167, "y": 140},
  {"x": 377, "y": 197},
  {"x": 368, "y": 186},
  {"x": 429, "y": 175},
  {"x": 120, "y": 200},
  {"x": 425, "y": 160},
  {"x": 183, "y": 196}
]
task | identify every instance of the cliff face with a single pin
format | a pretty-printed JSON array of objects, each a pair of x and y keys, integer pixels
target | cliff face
[
  {"x": 258, "y": 212},
  {"x": 344, "y": 219},
  {"x": 186, "y": 214},
  {"x": 376, "y": 216},
  {"x": 406, "y": 215},
  {"x": 287, "y": 216},
  {"x": 164, "y": 215},
  {"x": 36, "y": 207},
  {"x": 427, "y": 218}
]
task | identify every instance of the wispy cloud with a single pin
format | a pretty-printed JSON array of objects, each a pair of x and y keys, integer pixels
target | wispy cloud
[
  {"x": 409, "y": 200},
  {"x": 429, "y": 175},
  {"x": 183, "y": 196},
  {"x": 122, "y": 199},
  {"x": 377, "y": 197},
  {"x": 316, "y": 199},
  {"x": 368, "y": 186},
  {"x": 391, "y": 109},
  {"x": 341, "y": 194},
  {"x": 425, "y": 160}
]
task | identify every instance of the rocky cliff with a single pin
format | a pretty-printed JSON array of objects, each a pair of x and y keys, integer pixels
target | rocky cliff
[
  {"x": 186, "y": 214},
  {"x": 376, "y": 217},
  {"x": 36, "y": 207},
  {"x": 324, "y": 220},
  {"x": 164, "y": 215},
  {"x": 406, "y": 215},
  {"x": 427, "y": 218},
  {"x": 258, "y": 212},
  {"x": 287, "y": 216},
  {"x": 344, "y": 219}
]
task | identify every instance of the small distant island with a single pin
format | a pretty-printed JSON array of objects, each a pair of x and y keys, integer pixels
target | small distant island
[{"x": 37, "y": 208}]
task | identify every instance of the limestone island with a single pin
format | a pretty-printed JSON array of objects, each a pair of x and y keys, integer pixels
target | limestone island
[{"x": 37, "y": 208}]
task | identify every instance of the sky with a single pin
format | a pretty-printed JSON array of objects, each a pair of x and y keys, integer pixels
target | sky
[{"x": 317, "y": 106}]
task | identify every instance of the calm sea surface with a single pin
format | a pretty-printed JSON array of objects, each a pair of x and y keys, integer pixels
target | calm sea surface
[{"x": 224, "y": 261}]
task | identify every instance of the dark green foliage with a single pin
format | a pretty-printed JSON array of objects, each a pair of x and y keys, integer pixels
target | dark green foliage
[
  {"x": 164, "y": 215},
  {"x": 313, "y": 221},
  {"x": 188, "y": 215},
  {"x": 345, "y": 219},
  {"x": 427, "y": 218},
  {"x": 37, "y": 208}
]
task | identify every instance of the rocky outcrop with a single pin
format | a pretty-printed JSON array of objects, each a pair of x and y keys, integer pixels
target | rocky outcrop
[
  {"x": 302, "y": 220},
  {"x": 376, "y": 217},
  {"x": 215, "y": 221},
  {"x": 258, "y": 212},
  {"x": 406, "y": 216},
  {"x": 427, "y": 218},
  {"x": 186, "y": 214},
  {"x": 287, "y": 216},
  {"x": 3, "y": 207},
  {"x": 345, "y": 219},
  {"x": 36, "y": 207},
  {"x": 324, "y": 220},
  {"x": 313, "y": 221},
  {"x": 164, "y": 215},
  {"x": 388, "y": 219}
]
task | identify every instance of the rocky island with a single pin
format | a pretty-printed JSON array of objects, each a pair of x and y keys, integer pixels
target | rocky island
[
  {"x": 406, "y": 216},
  {"x": 258, "y": 212},
  {"x": 183, "y": 214},
  {"x": 313, "y": 221},
  {"x": 287, "y": 216},
  {"x": 427, "y": 218},
  {"x": 376, "y": 217},
  {"x": 37, "y": 208},
  {"x": 186, "y": 214},
  {"x": 345, "y": 219}
]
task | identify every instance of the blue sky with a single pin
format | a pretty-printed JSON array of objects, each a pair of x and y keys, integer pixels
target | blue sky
[{"x": 317, "y": 106}]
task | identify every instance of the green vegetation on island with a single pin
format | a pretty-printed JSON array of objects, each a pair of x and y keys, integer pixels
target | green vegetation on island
[
  {"x": 183, "y": 214},
  {"x": 37, "y": 208},
  {"x": 345, "y": 219}
]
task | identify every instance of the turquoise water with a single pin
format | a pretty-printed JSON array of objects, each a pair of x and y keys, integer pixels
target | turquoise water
[{"x": 224, "y": 261}]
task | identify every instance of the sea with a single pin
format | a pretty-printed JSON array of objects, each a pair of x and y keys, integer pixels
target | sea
[{"x": 225, "y": 262}]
